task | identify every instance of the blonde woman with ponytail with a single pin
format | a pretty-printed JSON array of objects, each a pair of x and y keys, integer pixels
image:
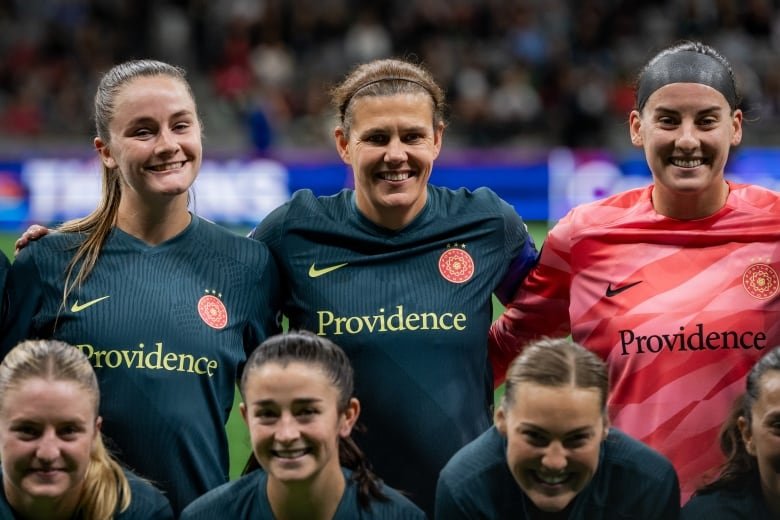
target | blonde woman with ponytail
[{"x": 54, "y": 463}]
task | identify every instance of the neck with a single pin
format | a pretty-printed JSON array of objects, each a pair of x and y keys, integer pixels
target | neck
[
  {"x": 316, "y": 499},
  {"x": 154, "y": 224},
  {"x": 689, "y": 206}
]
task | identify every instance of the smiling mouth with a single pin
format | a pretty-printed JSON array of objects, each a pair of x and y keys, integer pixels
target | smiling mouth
[
  {"x": 166, "y": 167},
  {"x": 551, "y": 480},
  {"x": 394, "y": 176},
  {"x": 686, "y": 163},
  {"x": 290, "y": 454}
]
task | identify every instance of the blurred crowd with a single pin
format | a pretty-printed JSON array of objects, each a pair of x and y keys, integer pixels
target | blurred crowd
[{"x": 517, "y": 73}]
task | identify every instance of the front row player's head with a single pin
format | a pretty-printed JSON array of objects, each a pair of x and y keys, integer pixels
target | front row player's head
[
  {"x": 750, "y": 440},
  {"x": 298, "y": 404},
  {"x": 553, "y": 414},
  {"x": 53, "y": 459}
]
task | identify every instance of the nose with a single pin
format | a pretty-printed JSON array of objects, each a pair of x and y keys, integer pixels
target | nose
[
  {"x": 554, "y": 457},
  {"x": 287, "y": 430},
  {"x": 687, "y": 140},
  {"x": 395, "y": 152},
  {"x": 166, "y": 142},
  {"x": 48, "y": 449}
]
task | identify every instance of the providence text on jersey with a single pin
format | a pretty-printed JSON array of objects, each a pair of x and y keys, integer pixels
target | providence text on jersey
[
  {"x": 154, "y": 359},
  {"x": 698, "y": 340},
  {"x": 330, "y": 324}
]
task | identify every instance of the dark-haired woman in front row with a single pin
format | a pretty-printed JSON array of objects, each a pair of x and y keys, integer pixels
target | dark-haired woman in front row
[
  {"x": 749, "y": 484},
  {"x": 551, "y": 453},
  {"x": 298, "y": 404},
  {"x": 54, "y": 463}
]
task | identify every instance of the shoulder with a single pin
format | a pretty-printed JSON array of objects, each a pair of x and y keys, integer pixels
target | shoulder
[
  {"x": 396, "y": 507},
  {"x": 611, "y": 209},
  {"x": 627, "y": 456},
  {"x": 472, "y": 466},
  {"x": 146, "y": 501},
  {"x": 751, "y": 197},
  {"x": 726, "y": 504},
  {"x": 224, "y": 242},
  {"x": 231, "y": 496},
  {"x": 463, "y": 199},
  {"x": 301, "y": 210}
]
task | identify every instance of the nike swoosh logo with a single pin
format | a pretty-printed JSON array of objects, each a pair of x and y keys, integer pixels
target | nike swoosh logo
[
  {"x": 617, "y": 290},
  {"x": 314, "y": 272},
  {"x": 76, "y": 307}
]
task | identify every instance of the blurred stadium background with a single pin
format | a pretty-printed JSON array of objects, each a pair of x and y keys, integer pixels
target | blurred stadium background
[{"x": 539, "y": 92}]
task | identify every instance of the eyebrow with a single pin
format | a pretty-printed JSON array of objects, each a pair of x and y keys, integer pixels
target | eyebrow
[
  {"x": 175, "y": 115},
  {"x": 714, "y": 108},
  {"x": 576, "y": 431},
  {"x": 303, "y": 400}
]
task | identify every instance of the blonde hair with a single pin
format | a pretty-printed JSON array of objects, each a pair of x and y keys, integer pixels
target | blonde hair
[
  {"x": 106, "y": 489},
  {"x": 97, "y": 225}
]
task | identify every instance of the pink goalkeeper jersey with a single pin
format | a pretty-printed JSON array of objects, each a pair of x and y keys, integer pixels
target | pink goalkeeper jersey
[{"x": 679, "y": 310}]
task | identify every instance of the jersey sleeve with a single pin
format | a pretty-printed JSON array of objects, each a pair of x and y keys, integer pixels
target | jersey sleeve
[
  {"x": 266, "y": 321},
  {"x": 23, "y": 295},
  {"x": 540, "y": 306},
  {"x": 520, "y": 251},
  {"x": 447, "y": 506}
]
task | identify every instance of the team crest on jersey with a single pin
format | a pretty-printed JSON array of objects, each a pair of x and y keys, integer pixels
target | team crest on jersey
[
  {"x": 455, "y": 264},
  {"x": 212, "y": 311},
  {"x": 760, "y": 281}
]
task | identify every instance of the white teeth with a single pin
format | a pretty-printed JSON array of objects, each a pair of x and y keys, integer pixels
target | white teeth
[
  {"x": 395, "y": 176},
  {"x": 553, "y": 479},
  {"x": 687, "y": 163},
  {"x": 169, "y": 166},
  {"x": 290, "y": 454}
]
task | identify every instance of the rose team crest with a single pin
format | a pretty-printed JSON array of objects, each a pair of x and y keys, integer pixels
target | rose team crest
[
  {"x": 212, "y": 311},
  {"x": 456, "y": 265},
  {"x": 760, "y": 281}
]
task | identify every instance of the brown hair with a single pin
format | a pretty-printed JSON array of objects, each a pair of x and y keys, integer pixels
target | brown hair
[
  {"x": 96, "y": 226},
  {"x": 741, "y": 468},
  {"x": 557, "y": 362},
  {"x": 386, "y": 77},
  {"x": 305, "y": 347},
  {"x": 106, "y": 490}
]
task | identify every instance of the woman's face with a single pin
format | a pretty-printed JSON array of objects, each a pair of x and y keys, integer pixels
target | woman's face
[
  {"x": 391, "y": 148},
  {"x": 687, "y": 130},
  {"x": 554, "y": 439},
  {"x": 294, "y": 421},
  {"x": 47, "y": 429},
  {"x": 762, "y": 436},
  {"x": 155, "y": 139}
]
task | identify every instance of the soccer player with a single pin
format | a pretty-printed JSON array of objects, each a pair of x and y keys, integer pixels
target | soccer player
[
  {"x": 165, "y": 305},
  {"x": 551, "y": 453},
  {"x": 297, "y": 401},
  {"x": 748, "y": 485},
  {"x": 54, "y": 463},
  {"x": 400, "y": 274},
  {"x": 675, "y": 285}
]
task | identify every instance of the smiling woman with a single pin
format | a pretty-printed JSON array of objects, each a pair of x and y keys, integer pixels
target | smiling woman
[
  {"x": 551, "y": 453},
  {"x": 166, "y": 305}
]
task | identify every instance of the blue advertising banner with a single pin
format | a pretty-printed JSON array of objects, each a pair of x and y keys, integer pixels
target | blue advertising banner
[{"x": 542, "y": 187}]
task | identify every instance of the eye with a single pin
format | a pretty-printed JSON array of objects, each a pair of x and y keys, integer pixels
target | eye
[
  {"x": 535, "y": 438},
  {"x": 26, "y": 431},
  {"x": 667, "y": 121},
  {"x": 376, "y": 138},
  {"x": 181, "y": 126},
  {"x": 307, "y": 414},
  {"x": 708, "y": 121},
  {"x": 266, "y": 416},
  {"x": 413, "y": 138},
  {"x": 69, "y": 431},
  {"x": 577, "y": 441},
  {"x": 142, "y": 133}
]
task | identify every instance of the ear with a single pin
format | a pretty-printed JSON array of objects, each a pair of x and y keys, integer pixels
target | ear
[
  {"x": 737, "y": 125},
  {"x": 747, "y": 435},
  {"x": 634, "y": 125},
  {"x": 499, "y": 419},
  {"x": 342, "y": 144},
  {"x": 104, "y": 151},
  {"x": 98, "y": 424},
  {"x": 242, "y": 409},
  {"x": 349, "y": 417}
]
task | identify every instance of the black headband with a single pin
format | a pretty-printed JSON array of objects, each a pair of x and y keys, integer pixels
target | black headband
[
  {"x": 686, "y": 67},
  {"x": 343, "y": 107}
]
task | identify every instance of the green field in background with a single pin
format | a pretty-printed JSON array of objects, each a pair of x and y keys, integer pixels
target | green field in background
[{"x": 238, "y": 438}]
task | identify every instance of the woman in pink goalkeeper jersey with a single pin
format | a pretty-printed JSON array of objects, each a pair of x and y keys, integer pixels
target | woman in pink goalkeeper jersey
[{"x": 674, "y": 285}]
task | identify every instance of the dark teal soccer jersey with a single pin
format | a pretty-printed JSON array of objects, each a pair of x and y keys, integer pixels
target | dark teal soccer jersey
[
  {"x": 247, "y": 499},
  {"x": 632, "y": 482},
  {"x": 167, "y": 328},
  {"x": 411, "y": 308},
  {"x": 146, "y": 503},
  {"x": 745, "y": 503}
]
